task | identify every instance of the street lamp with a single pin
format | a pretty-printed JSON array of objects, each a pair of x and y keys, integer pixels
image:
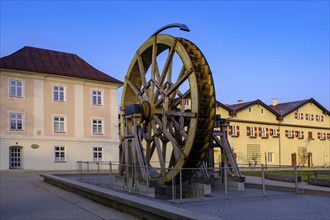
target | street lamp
[{"x": 182, "y": 27}]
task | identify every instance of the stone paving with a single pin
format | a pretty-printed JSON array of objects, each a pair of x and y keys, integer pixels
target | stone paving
[{"x": 24, "y": 195}]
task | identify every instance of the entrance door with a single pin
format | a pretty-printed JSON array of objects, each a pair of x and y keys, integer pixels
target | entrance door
[
  {"x": 310, "y": 162},
  {"x": 15, "y": 156},
  {"x": 294, "y": 159}
]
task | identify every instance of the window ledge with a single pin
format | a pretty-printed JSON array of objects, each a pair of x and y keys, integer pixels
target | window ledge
[{"x": 59, "y": 161}]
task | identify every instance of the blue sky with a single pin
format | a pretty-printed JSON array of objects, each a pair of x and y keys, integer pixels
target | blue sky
[{"x": 256, "y": 49}]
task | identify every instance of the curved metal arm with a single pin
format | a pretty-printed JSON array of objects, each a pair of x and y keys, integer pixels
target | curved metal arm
[{"x": 182, "y": 27}]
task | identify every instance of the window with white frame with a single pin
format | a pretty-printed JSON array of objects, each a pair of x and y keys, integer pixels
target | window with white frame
[
  {"x": 270, "y": 157},
  {"x": 97, "y": 125},
  {"x": 186, "y": 102},
  {"x": 289, "y": 133},
  {"x": 274, "y": 132},
  {"x": 309, "y": 117},
  {"x": 318, "y": 117},
  {"x": 97, "y": 153},
  {"x": 299, "y": 116},
  {"x": 234, "y": 130},
  {"x": 250, "y": 109},
  {"x": 59, "y": 152},
  {"x": 16, "y": 121},
  {"x": 58, "y": 93},
  {"x": 59, "y": 124},
  {"x": 251, "y": 131},
  {"x": 300, "y": 134},
  {"x": 97, "y": 97},
  {"x": 263, "y": 132},
  {"x": 321, "y": 135},
  {"x": 16, "y": 88}
]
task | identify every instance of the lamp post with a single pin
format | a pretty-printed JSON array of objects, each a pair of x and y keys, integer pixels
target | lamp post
[{"x": 182, "y": 27}]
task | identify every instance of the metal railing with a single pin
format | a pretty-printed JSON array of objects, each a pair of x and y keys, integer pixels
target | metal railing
[{"x": 190, "y": 182}]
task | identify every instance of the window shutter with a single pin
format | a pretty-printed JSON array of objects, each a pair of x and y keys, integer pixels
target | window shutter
[
  {"x": 328, "y": 136},
  {"x": 310, "y": 134},
  {"x": 306, "y": 115},
  {"x": 302, "y": 135},
  {"x": 267, "y": 133},
  {"x": 255, "y": 131},
  {"x": 324, "y": 136},
  {"x": 312, "y": 116},
  {"x": 230, "y": 130},
  {"x": 321, "y": 117},
  {"x": 237, "y": 130},
  {"x": 286, "y": 133},
  {"x": 271, "y": 132},
  {"x": 292, "y": 132},
  {"x": 296, "y": 115},
  {"x": 248, "y": 131},
  {"x": 318, "y": 135},
  {"x": 278, "y": 133},
  {"x": 260, "y": 132},
  {"x": 302, "y": 115}
]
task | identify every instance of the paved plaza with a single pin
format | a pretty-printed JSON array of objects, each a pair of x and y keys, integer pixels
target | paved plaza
[{"x": 24, "y": 195}]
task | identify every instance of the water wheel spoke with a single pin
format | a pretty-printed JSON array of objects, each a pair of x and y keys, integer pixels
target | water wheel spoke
[
  {"x": 177, "y": 102},
  {"x": 176, "y": 147},
  {"x": 181, "y": 114},
  {"x": 158, "y": 146},
  {"x": 134, "y": 89},
  {"x": 166, "y": 70},
  {"x": 142, "y": 70},
  {"x": 179, "y": 82}
]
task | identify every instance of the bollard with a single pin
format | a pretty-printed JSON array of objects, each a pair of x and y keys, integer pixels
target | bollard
[
  {"x": 226, "y": 183},
  {"x": 87, "y": 172},
  {"x": 263, "y": 180},
  {"x": 295, "y": 178},
  {"x": 98, "y": 172},
  {"x": 173, "y": 186},
  {"x": 110, "y": 170},
  {"x": 147, "y": 172},
  {"x": 133, "y": 175},
  {"x": 181, "y": 185}
]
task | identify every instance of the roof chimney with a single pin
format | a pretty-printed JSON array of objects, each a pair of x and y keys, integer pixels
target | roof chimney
[
  {"x": 274, "y": 102},
  {"x": 239, "y": 101}
]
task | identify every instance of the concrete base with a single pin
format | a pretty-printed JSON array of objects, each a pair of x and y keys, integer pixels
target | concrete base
[
  {"x": 232, "y": 185},
  {"x": 118, "y": 182},
  {"x": 192, "y": 190},
  {"x": 196, "y": 190}
]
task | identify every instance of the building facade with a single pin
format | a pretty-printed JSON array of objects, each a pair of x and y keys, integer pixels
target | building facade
[
  {"x": 289, "y": 133},
  {"x": 56, "y": 109}
]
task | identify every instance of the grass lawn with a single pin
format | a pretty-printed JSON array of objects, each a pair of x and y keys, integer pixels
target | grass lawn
[{"x": 302, "y": 173}]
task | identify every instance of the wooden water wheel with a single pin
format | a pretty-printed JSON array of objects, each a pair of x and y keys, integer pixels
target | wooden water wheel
[{"x": 170, "y": 79}]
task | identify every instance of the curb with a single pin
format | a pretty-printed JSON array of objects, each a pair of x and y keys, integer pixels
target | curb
[{"x": 140, "y": 207}]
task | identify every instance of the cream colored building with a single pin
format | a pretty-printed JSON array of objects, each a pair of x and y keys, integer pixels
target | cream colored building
[
  {"x": 56, "y": 109},
  {"x": 289, "y": 133}
]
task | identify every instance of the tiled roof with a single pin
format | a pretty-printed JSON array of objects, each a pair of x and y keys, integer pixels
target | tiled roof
[
  {"x": 240, "y": 106},
  {"x": 224, "y": 106},
  {"x": 53, "y": 62},
  {"x": 287, "y": 107}
]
